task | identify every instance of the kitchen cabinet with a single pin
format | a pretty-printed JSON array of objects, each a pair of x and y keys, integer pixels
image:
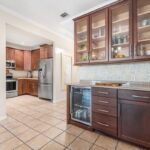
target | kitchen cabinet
[
  {"x": 104, "y": 110},
  {"x": 27, "y": 60},
  {"x": 10, "y": 53},
  {"x": 33, "y": 87},
  {"x": 35, "y": 57},
  {"x": 28, "y": 86},
  {"x": 20, "y": 87},
  {"x": 19, "y": 57},
  {"x": 99, "y": 36},
  {"x": 46, "y": 51},
  {"x": 134, "y": 114},
  {"x": 82, "y": 40},
  {"x": 120, "y": 32},
  {"x": 142, "y": 29}
]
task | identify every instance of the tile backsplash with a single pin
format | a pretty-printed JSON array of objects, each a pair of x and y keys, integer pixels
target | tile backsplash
[{"x": 122, "y": 72}]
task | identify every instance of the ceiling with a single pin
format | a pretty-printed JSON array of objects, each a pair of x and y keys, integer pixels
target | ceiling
[
  {"x": 47, "y": 12},
  {"x": 20, "y": 37}
]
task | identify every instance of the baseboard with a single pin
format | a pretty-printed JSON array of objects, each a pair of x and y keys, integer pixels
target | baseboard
[
  {"x": 2, "y": 118},
  {"x": 58, "y": 100}
]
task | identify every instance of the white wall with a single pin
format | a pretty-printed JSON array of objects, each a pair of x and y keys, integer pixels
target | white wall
[
  {"x": 59, "y": 42},
  {"x": 2, "y": 69}
]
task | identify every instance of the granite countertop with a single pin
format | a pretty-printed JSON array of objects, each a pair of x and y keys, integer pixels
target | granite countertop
[{"x": 141, "y": 86}]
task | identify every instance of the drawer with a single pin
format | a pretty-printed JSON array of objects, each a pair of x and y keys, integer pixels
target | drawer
[
  {"x": 104, "y": 120},
  {"x": 104, "y": 92},
  {"x": 107, "y": 110},
  {"x": 105, "y": 123},
  {"x": 134, "y": 95},
  {"x": 104, "y": 101}
]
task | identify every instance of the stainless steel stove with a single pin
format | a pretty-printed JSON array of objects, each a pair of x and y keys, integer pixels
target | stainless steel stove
[{"x": 11, "y": 86}]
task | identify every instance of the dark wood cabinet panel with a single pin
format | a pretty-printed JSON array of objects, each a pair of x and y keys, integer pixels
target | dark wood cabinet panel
[
  {"x": 134, "y": 122},
  {"x": 104, "y": 92},
  {"x": 134, "y": 95},
  {"x": 104, "y": 101},
  {"x": 27, "y": 60},
  {"x": 46, "y": 51},
  {"x": 20, "y": 87},
  {"x": 10, "y": 53},
  {"x": 35, "y": 57},
  {"x": 19, "y": 57}
]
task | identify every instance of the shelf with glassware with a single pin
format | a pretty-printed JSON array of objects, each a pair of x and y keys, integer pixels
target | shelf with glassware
[
  {"x": 143, "y": 29},
  {"x": 120, "y": 37},
  {"x": 82, "y": 41}
]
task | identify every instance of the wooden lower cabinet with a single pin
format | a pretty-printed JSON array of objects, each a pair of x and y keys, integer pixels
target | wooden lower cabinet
[
  {"x": 28, "y": 86},
  {"x": 134, "y": 117},
  {"x": 104, "y": 110}
]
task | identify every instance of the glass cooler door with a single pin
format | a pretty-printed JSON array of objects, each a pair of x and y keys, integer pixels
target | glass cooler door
[{"x": 81, "y": 104}]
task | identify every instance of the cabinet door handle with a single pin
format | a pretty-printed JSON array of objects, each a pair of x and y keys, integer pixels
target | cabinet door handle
[
  {"x": 103, "y": 102},
  {"x": 103, "y": 124},
  {"x": 106, "y": 93},
  {"x": 136, "y": 96},
  {"x": 102, "y": 110}
]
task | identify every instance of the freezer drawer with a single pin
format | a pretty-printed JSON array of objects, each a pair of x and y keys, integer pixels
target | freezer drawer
[{"x": 45, "y": 91}]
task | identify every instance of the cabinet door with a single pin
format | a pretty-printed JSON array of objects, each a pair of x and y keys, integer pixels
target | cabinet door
[
  {"x": 20, "y": 87},
  {"x": 142, "y": 29},
  {"x": 82, "y": 41},
  {"x": 99, "y": 37},
  {"x": 19, "y": 58},
  {"x": 46, "y": 51},
  {"x": 10, "y": 53},
  {"x": 27, "y": 60},
  {"x": 35, "y": 88},
  {"x": 134, "y": 122},
  {"x": 35, "y": 59},
  {"x": 120, "y": 17}
]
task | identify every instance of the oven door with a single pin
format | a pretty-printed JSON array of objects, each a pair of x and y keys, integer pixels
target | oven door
[{"x": 11, "y": 85}]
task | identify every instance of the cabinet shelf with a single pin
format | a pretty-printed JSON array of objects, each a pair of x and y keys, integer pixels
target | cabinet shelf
[
  {"x": 120, "y": 20},
  {"x": 121, "y": 45},
  {"x": 120, "y": 32},
  {"x": 144, "y": 13},
  {"x": 82, "y": 51},
  {"x": 82, "y": 32},
  {"x": 98, "y": 38},
  {"x": 97, "y": 27},
  {"x": 81, "y": 41},
  {"x": 80, "y": 106},
  {"x": 99, "y": 48},
  {"x": 145, "y": 28}
]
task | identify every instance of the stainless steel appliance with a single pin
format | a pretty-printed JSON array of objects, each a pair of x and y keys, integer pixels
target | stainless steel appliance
[
  {"x": 45, "y": 78},
  {"x": 10, "y": 64},
  {"x": 81, "y": 104},
  {"x": 11, "y": 86}
]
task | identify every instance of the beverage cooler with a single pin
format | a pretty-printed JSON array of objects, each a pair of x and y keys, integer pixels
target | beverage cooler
[{"x": 81, "y": 104}]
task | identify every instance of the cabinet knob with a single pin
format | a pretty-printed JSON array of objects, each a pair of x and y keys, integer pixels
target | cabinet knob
[
  {"x": 102, "y": 110},
  {"x": 103, "y": 124},
  {"x": 136, "y": 96},
  {"x": 106, "y": 93}
]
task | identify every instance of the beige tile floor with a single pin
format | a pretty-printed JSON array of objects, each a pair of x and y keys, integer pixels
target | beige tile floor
[{"x": 34, "y": 124}]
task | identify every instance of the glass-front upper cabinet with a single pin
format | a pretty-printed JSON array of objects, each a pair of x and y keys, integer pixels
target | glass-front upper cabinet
[
  {"x": 98, "y": 37},
  {"x": 120, "y": 32},
  {"x": 82, "y": 40},
  {"x": 142, "y": 29}
]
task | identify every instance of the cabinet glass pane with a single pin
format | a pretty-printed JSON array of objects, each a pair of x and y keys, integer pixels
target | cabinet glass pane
[
  {"x": 82, "y": 40},
  {"x": 98, "y": 51},
  {"x": 120, "y": 32},
  {"x": 143, "y": 18}
]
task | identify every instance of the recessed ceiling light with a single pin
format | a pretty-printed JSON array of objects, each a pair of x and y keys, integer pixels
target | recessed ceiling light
[{"x": 63, "y": 15}]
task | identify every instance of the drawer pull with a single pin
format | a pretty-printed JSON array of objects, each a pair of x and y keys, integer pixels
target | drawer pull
[
  {"x": 101, "y": 110},
  {"x": 103, "y": 102},
  {"x": 103, "y": 124},
  {"x": 106, "y": 93},
  {"x": 136, "y": 96}
]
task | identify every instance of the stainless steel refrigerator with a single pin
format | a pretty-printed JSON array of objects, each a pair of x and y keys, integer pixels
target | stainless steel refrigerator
[{"x": 45, "y": 76}]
